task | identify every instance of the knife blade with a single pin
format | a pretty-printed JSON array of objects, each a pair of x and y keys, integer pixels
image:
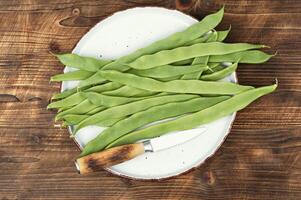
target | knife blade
[{"x": 116, "y": 155}]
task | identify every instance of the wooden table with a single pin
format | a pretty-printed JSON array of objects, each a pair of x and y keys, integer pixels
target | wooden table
[{"x": 260, "y": 159}]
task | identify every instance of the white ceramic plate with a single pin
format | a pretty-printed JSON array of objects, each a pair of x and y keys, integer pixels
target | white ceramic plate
[{"x": 121, "y": 34}]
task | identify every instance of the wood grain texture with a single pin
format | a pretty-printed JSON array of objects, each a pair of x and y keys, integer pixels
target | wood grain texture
[{"x": 260, "y": 159}]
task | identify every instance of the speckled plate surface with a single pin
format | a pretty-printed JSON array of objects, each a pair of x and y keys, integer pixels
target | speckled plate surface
[{"x": 121, "y": 34}]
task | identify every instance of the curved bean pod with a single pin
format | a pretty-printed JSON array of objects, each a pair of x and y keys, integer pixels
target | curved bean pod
[
  {"x": 201, "y": 39},
  {"x": 192, "y": 76},
  {"x": 110, "y": 86},
  {"x": 68, "y": 101},
  {"x": 176, "y": 86},
  {"x": 167, "y": 71},
  {"x": 78, "y": 97},
  {"x": 130, "y": 108},
  {"x": 82, "y": 62},
  {"x": 127, "y": 91},
  {"x": 64, "y": 94},
  {"x": 153, "y": 114},
  {"x": 108, "y": 101},
  {"x": 74, "y": 119},
  {"x": 169, "y": 78},
  {"x": 210, "y": 114},
  {"x": 226, "y": 71},
  {"x": 181, "y": 53},
  {"x": 96, "y": 110},
  {"x": 183, "y": 62},
  {"x": 250, "y": 57},
  {"x": 81, "y": 108},
  {"x": 70, "y": 76},
  {"x": 92, "y": 80}
]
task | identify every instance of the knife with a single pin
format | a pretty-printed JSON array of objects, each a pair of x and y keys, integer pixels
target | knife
[{"x": 99, "y": 160}]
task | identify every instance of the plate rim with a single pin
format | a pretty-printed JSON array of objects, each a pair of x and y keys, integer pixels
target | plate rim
[{"x": 114, "y": 173}]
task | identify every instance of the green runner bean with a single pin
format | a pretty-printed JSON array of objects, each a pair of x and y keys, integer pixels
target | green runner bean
[
  {"x": 96, "y": 110},
  {"x": 82, "y": 62},
  {"x": 70, "y": 76},
  {"x": 78, "y": 97},
  {"x": 176, "y": 86},
  {"x": 73, "y": 119},
  {"x": 181, "y": 53},
  {"x": 210, "y": 114},
  {"x": 130, "y": 108},
  {"x": 153, "y": 114},
  {"x": 81, "y": 108},
  {"x": 250, "y": 57},
  {"x": 108, "y": 101},
  {"x": 167, "y": 71},
  {"x": 64, "y": 94},
  {"x": 226, "y": 71},
  {"x": 127, "y": 91},
  {"x": 68, "y": 101}
]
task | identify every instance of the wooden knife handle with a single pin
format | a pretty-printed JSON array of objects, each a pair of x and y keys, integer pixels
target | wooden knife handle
[{"x": 109, "y": 157}]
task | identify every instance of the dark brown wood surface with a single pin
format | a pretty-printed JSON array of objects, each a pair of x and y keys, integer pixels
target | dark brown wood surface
[{"x": 260, "y": 159}]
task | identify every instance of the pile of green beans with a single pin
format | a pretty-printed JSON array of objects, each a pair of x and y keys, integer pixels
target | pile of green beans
[{"x": 180, "y": 78}]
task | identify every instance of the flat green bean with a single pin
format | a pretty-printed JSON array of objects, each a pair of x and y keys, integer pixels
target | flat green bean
[
  {"x": 220, "y": 74},
  {"x": 76, "y": 98},
  {"x": 130, "y": 108},
  {"x": 176, "y": 86},
  {"x": 181, "y": 53},
  {"x": 108, "y": 101},
  {"x": 169, "y": 78},
  {"x": 70, "y": 76},
  {"x": 64, "y": 94},
  {"x": 92, "y": 80},
  {"x": 68, "y": 101},
  {"x": 127, "y": 91},
  {"x": 96, "y": 110},
  {"x": 153, "y": 114},
  {"x": 201, "y": 39},
  {"x": 93, "y": 101},
  {"x": 207, "y": 115},
  {"x": 110, "y": 86},
  {"x": 183, "y": 62},
  {"x": 250, "y": 57},
  {"x": 73, "y": 119},
  {"x": 192, "y": 76},
  {"x": 81, "y": 108},
  {"x": 167, "y": 71},
  {"x": 82, "y": 62}
]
